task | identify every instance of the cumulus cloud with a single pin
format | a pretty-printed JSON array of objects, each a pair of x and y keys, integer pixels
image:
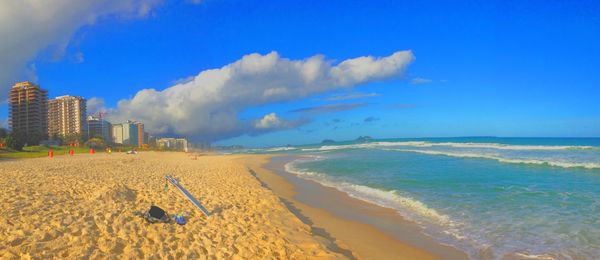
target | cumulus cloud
[
  {"x": 328, "y": 108},
  {"x": 420, "y": 81},
  {"x": 271, "y": 122},
  {"x": 28, "y": 27},
  {"x": 207, "y": 107},
  {"x": 95, "y": 105},
  {"x": 348, "y": 96}
]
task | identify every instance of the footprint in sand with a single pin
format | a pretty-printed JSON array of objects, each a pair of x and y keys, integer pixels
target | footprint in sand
[{"x": 17, "y": 241}]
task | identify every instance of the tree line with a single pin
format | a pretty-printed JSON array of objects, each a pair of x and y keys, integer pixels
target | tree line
[{"x": 17, "y": 140}]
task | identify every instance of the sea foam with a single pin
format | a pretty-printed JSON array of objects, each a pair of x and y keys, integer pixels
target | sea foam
[
  {"x": 498, "y": 146},
  {"x": 565, "y": 156},
  {"x": 554, "y": 162},
  {"x": 407, "y": 206},
  {"x": 433, "y": 222}
]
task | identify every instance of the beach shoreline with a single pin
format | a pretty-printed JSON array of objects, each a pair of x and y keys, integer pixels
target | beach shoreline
[
  {"x": 369, "y": 231},
  {"x": 89, "y": 206}
]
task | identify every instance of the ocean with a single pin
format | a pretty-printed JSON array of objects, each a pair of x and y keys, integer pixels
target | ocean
[{"x": 490, "y": 197}]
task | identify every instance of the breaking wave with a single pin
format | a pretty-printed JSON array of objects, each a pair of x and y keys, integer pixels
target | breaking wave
[
  {"x": 406, "y": 206},
  {"x": 277, "y": 149},
  {"x": 498, "y": 146},
  {"x": 554, "y": 162},
  {"x": 565, "y": 156}
]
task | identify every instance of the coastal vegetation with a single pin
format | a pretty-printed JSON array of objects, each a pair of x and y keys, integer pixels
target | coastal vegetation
[
  {"x": 15, "y": 145},
  {"x": 38, "y": 151}
]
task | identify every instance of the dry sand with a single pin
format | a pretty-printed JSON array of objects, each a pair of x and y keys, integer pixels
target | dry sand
[{"x": 85, "y": 206}]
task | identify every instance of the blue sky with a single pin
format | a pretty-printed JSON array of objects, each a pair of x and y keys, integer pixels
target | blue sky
[{"x": 495, "y": 68}]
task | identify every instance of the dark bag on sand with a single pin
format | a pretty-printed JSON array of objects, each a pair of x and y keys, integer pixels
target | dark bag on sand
[{"x": 156, "y": 214}]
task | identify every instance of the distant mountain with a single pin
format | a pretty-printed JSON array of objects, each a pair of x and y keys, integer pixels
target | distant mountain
[
  {"x": 327, "y": 141},
  {"x": 364, "y": 138}
]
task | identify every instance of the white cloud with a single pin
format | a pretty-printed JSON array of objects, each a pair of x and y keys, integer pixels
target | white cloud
[
  {"x": 268, "y": 121},
  {"x": 420, "y": 81},
  {"x": 28, "y": 27},
  {"x": 95, "y": 105},
  {"x": 207, "y": 107},
  {"x": 271, "y": 121},
  {"x": 4, "y": 123}
]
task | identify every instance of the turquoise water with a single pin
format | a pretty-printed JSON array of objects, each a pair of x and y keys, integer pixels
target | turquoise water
[{"x": 491, "y": 197}]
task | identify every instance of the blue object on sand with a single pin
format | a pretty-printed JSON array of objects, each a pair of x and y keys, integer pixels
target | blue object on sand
[{"x": 179, "y": 219}]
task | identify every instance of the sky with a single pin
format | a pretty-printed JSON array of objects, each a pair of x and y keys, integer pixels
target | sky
[{"x": 268, "y": 73}]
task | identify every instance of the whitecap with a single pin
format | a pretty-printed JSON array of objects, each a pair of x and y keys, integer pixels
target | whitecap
[{"x": 554, "y": 162}]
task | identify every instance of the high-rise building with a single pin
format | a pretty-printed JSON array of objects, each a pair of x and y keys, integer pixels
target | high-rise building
[
  {"x": 140, "y": 133},
  {"x": 28, "y": 111},
  {"x": 67, "y": 116},
  {"x": 98, "y": 127},
  {"x": 177, "y": 144},
  {"x": 117, "y": 134},
  {"x": 126, "y": 133}
]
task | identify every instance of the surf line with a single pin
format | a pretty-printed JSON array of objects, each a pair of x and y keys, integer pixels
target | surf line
[{"x": 187, "y": 194}]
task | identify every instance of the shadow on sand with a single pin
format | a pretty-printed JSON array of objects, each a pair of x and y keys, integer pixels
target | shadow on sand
[{"x": 316, "y": 231}]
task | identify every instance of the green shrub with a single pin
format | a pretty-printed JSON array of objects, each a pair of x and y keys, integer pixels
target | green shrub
[{"x": 15, "y": 142}]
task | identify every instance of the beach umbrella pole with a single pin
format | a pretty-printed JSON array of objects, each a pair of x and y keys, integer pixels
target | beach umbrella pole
[{"x": 187, "y": 194}]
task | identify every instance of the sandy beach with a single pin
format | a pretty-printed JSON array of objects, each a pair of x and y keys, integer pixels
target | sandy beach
[
  {"x": 88, "y": 206},
  {"x": 85, "y": 206}
]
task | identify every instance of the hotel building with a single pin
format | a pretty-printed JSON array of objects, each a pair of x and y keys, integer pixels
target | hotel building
[
  {"x": 67, "y": 116},
  {"x": 28, "y": 111}
]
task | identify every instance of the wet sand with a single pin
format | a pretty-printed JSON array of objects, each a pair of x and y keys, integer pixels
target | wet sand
[{"x": 368, "y": 230}]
